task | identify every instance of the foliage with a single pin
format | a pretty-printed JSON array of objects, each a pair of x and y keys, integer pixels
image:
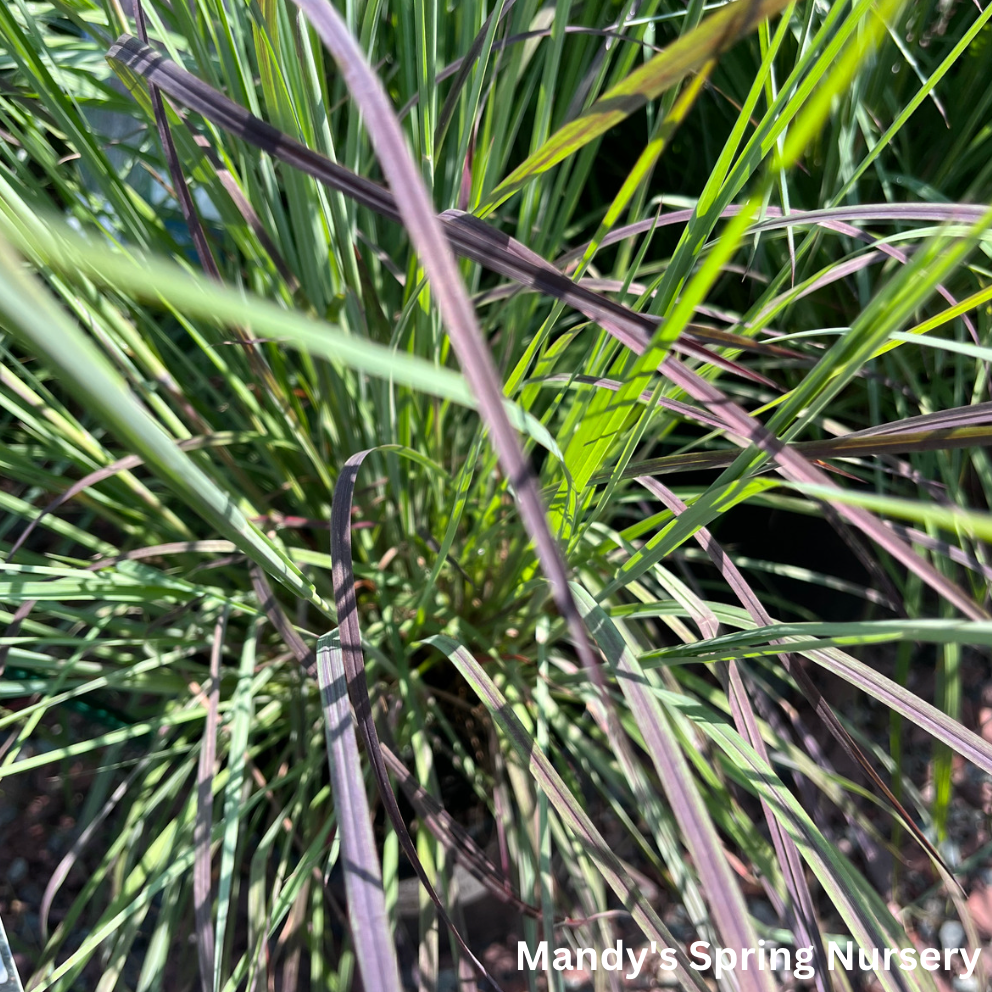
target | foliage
[{"x": 716, "y": 266}]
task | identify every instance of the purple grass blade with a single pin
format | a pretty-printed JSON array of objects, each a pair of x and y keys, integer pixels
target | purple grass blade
[
  {"x": 499, "y": 252},
  {"x": 792, "y": 465},
  {"x": 618, "y": 875},
  {"x": 805, "y": 925},
  {"x": 515, "y": 39},
  {"x": 207, "y": 260},
  {"x": 969, "y": 745},
  {"x": 470, "y": 237},
  {"x": 972, "y": 415},
  {"x": 192, "y": 218},
  {"x": 760, "y": 615},
  {"x": 914, "y": 536},
  {"x": 718, "y": 336},
  {"x": 862, "y": 444},
  {"x": 834, "y": 220},
  {"x": 121, "y": 465},
  {"x": 695, "y": 332},
  {"x": 684, "y": 410},
  {"x": 350, "y": 634},
  {"x": 464, "y": 70},
  {"x": 801, "y": 638},
  {"x": 233, "y": 188},
  {"x": 81, "y": 842},
  {"x": 455, "y": 838},
  {"x": 107, "y": 471},
  {"x": 277, "y": 617},
  {"x": 965, "y": 213},
  {"x": 370, "y": 930},
  {"x": 726, "y": 901},
  {"x": 22, "y": 613},
  {"x": 434, "y": 816},
  {"x": 169, "y": 548}
]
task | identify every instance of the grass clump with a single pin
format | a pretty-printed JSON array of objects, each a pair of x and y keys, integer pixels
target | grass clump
[{"x": 585, "y": 403}]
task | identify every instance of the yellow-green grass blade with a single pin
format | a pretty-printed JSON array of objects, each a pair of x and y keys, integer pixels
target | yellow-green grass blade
[{"x": 688, "y": 54}]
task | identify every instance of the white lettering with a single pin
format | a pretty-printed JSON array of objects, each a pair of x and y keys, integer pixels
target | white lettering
[
  {"x": 726, "y": 960},
  {"x": 617, "y": 953},
  {"x": 907, "y": 959},
  {"x": 972, "y": 964},
  {"x": 778, "y": 958},
  {"x": 867, "y": 965},
  {"x": 835, "y": 952},
  {"x": 700, "y": 955},
  {"x": 584, "y": 952},
  {"x": 537, "y": 963},
  {"x": 636, "y": 962}
]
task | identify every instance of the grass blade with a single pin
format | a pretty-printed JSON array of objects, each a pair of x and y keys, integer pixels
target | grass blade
[
  {"x": 363, "y": 877},
  {"x": 206, "y": 256},
  {"x": 569, "y": 809},
  {"x": 688, "y": 54},
  {"x": 468, "y": 236},
  {"x": 36, "y": 321},
  {"x": 350, "y": 641},
  {"x": 202, "y": 871},
  {"x": 807, "y": 932}
]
